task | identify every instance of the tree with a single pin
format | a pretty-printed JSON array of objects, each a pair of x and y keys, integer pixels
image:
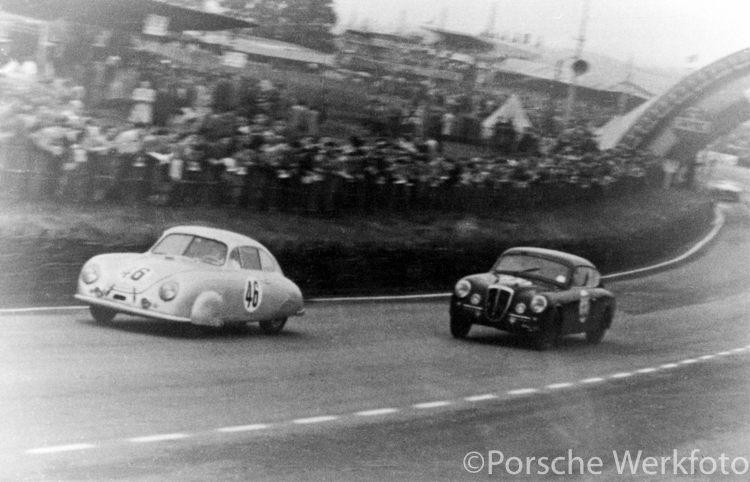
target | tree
[{"x": 303, "y": 22}]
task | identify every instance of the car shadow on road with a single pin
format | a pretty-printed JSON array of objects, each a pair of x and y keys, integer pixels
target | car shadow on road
[
  {"x": 166, "y": 329},
  {"x": 573, "y": 343}
]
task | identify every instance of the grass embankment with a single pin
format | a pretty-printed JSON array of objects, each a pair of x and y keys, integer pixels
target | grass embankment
[{"x": 43, "y": 246}]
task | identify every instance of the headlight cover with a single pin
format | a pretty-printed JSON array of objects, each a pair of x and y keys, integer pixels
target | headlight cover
[
  {"x": 520, "y": 308},
  {"x": 476, "y": 298},
  {"x": 169, "y": 290},
  {"x": 90, "y": 273},
  {"x": 463, "y": 288},
  {"x": 538, "y": 304}
]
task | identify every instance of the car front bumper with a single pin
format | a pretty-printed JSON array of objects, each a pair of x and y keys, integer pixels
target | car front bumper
[
  {"x": 130, "y": 309},
  {"x": 509, "y": 322}
]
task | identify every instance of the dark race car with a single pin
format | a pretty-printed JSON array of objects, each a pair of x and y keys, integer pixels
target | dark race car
[{"x": 537, "y": 292}]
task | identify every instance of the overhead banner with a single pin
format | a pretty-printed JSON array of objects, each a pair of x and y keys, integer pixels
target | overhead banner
[{"x": 156, "y": 25}]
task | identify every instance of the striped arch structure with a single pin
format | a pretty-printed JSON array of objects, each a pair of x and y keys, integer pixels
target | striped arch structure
[{"x": 703, "y": 106}]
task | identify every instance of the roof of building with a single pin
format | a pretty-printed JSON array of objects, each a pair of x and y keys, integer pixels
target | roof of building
[{"x": 127, "y": 15}]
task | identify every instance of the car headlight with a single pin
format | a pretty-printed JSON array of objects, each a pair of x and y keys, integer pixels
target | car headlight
[
  {"x": 169, "y": 290},
  {"x": 463, "y": 288},
  {"x": 90, "y": 273},
  {"x": 520, "y": 308},
  {"x": 538, "y": 304},
  {"x": 475, "y": 298}
]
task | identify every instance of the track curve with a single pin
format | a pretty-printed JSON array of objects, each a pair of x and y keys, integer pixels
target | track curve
[{"x": 83, "y": 401}]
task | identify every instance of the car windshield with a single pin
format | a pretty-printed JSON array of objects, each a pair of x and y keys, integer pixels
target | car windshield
[
  {"x": 195, "y": 247},
  {"x": 543, "y": 268}
]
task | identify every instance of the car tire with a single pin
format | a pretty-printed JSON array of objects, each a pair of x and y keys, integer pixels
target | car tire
[
  {"x": 596, "y": 336},
  {"x": 549, "y": 336},
  {"x": 460, "y": 326},
  {"x": 273, "y": 327},
  {"x": 102, "y": 314}
]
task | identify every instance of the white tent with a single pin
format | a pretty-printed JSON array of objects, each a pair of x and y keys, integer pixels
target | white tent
[{"x": 511, "y": 110}]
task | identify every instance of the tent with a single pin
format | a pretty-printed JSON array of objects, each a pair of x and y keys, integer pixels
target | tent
[{"x": 511, "y": 110}]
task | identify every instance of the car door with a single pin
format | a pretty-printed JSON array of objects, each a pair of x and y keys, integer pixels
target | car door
[
  {"x": 246, "y": 299},
  {"x": 275, "y": 292},
  {"x": 577, "y": 303}
]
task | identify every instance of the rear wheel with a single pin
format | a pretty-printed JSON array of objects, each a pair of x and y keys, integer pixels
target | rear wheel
[
  {"x": 101, "y": 314},
  {"x": 460, "y": 326},
  {"x": 273, "y": 327}
]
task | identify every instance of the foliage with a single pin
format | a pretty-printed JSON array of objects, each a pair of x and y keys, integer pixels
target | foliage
[{"x": 302, "y": 22}]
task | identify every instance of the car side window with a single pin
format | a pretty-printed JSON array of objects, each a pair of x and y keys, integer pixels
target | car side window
[
  {"x": 595, "y": 279},
  {"x": 235, "y": 261},
  {"x": 587, "y": 277},
  {"x": 249, "y": 258},
  {"x": 268, "y": 264}
]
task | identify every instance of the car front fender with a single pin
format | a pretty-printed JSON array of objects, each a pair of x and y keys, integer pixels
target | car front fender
[{"x": 207, "y": 308}]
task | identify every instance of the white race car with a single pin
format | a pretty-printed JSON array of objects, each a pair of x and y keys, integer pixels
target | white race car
[{"x": 196, "y": 275}]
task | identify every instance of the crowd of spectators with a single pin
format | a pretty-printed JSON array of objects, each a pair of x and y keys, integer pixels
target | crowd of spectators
[{"x": 139, "y": 130}]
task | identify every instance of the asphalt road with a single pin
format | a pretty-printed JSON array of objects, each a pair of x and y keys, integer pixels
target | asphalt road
[{"x": 380, "y": 391}]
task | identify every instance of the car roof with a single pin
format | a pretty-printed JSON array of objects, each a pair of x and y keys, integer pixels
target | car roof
[
  {"x": 230, "y": 238},
  {"x": 568, "y": 258}
]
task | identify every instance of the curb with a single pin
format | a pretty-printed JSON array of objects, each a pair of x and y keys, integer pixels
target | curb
[{"x": 717, "y": 225}]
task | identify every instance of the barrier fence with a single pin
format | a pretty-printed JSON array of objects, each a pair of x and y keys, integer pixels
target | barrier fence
[{"x": 28, "y": 173}]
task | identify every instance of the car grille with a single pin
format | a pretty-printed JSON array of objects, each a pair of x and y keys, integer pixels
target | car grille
[{"x": 498, "y": 301}]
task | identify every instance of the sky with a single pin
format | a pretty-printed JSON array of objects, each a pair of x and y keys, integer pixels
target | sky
[{"x": 652, "y": 32}]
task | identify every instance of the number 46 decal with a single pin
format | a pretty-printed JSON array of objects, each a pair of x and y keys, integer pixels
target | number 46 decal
[{"x": 253, "y": 294}]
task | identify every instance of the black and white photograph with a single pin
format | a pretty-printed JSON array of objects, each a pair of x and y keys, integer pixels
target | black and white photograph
[{"x": 374, "y": 240}]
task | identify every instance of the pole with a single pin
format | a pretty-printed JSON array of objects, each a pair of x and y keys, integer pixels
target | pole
[{"x": 570, "y": 103}]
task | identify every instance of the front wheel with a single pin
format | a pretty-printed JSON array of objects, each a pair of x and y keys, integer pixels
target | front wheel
[
  {"x": 595, "y": 337},
  {"x": 273, "y": 327},
  {"x": 101, "y": 314},
  {"x": 460, "y": 326}
]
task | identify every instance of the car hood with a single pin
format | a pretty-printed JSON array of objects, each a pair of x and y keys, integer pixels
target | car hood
[
  {"x": 517, "y": 283},
  {"x": 137, "y": 275}
]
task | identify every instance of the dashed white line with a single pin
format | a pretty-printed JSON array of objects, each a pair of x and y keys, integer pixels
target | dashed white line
[
  {"x": 60, "y": 448},
  {"x": 621, "y": 375},
  {"x": 426, "y": 405},
  {"x": 522, "y": 391},
  {"x": 159, "y": 438},
  {"x": 592, "y": 380},
  {"x": 244, "y": 428},
  {"x": 558, "y": 386},
  {"x": 377, "y": 412},
  {"x": 387, "y": 411},
  {"x": 481, "y": 398},
  {"x": 324, "y": 418}
]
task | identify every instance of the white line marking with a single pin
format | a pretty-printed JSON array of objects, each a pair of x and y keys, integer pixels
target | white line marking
[
  {"x": 11, "y": 311},
  {"x": 621, "y": 375},
  {"x": 557, "y": 386},
  {"x": 441, "y": 403},
  {"x": 324, "y": 418},
  {"x": 646, "y": 370},
  {"x": 689, "y": 361},
  {"x": 706, "y": 357},
  {"x": 60, "y": 448},
  {"x": 376, "y": 412},
  {"x": 724, "y": 353},
  {"x": 593, "y": 380},
  {"x": 667, "y": 366},
  {"x": 522, "y": 391},
  {"x": 158, "y": 438},
  {"x": 481, "y": 398},
  {"x": 738, "y": 350},
  {"x": 244, "y": 428}
]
